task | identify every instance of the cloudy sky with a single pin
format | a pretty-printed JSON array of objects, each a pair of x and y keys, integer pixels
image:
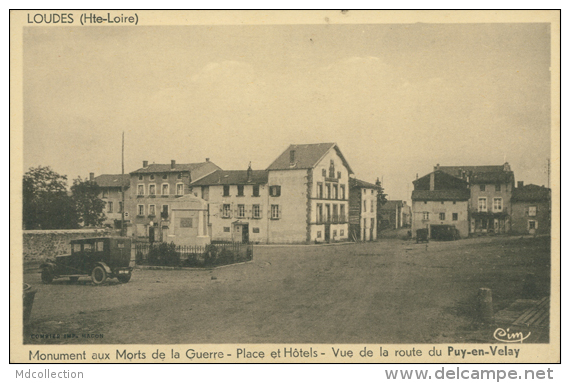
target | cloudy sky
[{"x": 397, "y": 98}]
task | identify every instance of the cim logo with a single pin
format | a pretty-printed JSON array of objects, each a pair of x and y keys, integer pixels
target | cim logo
[{"x": 506, "y": 336}]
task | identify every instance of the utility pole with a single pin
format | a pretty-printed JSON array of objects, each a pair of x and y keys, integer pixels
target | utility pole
[{"x": 122, "y": 185}]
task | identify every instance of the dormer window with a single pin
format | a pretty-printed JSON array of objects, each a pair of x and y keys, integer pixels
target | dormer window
[
  {"x": 164, "y": 176},
  {"x": 179, "y": 176},
  {"x": 292, "y": 157},
  {"x": 152, "y": 177},
  {"x": 140, "y": 177}
]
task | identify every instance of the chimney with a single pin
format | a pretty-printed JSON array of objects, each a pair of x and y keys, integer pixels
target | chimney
[
  {"x": 520, "y": 184},
  {"x": 507, "y": 167},
  {"x": 249, "y": 173},
  {"x": 207, "y": 159},
  {"x": 432, "y": 181},
  {"x": 436, "y": 167},
  {"x": 91, "y": 176},
  {"x": 145, "y": 164}
]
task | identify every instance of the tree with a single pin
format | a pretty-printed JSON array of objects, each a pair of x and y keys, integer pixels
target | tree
[
  {"x": 46, "y": 204},
  {"x": 89, "y": 206},
  {"x": 380, "y": 201}
]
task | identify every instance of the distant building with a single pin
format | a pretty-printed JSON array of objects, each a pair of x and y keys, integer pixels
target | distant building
[
  {"x": 490, "y": 198},
  {"x": 362, "y": 210},
  {"x": 238, "y": 202},
  {"x": 530, "y": 209},
  {"x": 394, "y": 215},
  {"x": 440, "y": 199},
  {"x": 153, "y": 190},
  {"x": 110, "y": 185}
]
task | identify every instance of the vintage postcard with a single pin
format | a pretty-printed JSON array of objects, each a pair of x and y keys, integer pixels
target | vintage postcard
[{"x": 285, "y": 186}]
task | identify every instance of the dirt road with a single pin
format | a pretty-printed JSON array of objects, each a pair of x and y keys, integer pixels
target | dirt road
[{"x": 384, "y": 292}]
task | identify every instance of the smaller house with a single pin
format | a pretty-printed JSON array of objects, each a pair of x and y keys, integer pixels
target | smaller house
[
  {"x": 362, "y": 210},
  {"x": 394, "y": 214},
  {"x": 530, "y": 209},
  {"x": 110, "y": 185}
]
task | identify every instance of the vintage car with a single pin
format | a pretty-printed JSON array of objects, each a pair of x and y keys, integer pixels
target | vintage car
[
  {"x": 444, "y": 233},
  {"x": 422, "y": 235},
  {"x": 100, "y": 258}
]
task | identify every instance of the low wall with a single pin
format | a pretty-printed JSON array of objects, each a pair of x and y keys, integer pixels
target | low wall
[{"x": 41, "y": 244}]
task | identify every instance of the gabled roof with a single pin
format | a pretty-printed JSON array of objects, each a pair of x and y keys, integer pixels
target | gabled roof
[
  {"x": 391, "y": 204},
  {"x": 112, "y": 180},
  {"x": 531, "y": 193},
  {"x": 232, "y": 177},
  {"x": 167, "y": 168},
  {"x": 441, "y": 195},
  {"x": 487, "y": 174},
  {"x": 356, "y": 183},
  {"x": 307, "y": 156},
  {"x": 457, "y": 171}
]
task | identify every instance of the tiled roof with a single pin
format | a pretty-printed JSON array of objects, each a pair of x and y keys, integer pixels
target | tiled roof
[
  {"x": 441, "y": 195},
  {"x": 167, "y": 168},
  {"x": 112, "y": 180},
  {"x": 232, "y": 177},
  {"x": 356, "y": 183},
  {"x": 457, "y": 171},
  {"x": 391, "y": 205},
  {"x": 492, "y": 178},
  {"x": 306, "y": 157},
  {"x": 531, "y": 193}
]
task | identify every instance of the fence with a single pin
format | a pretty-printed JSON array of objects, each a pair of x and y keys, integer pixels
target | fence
[{"x": 168, "y": 254}]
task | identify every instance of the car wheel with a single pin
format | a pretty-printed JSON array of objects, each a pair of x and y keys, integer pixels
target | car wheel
[
  {"x": 73, "y": 279},
  {"x": 47, "y": 275},
  {"x": 98, "y": 275},
  {"x": 124, "y": 278}
]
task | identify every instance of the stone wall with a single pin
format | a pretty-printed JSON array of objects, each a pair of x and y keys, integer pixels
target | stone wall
[{"x": 41, "y": 244}]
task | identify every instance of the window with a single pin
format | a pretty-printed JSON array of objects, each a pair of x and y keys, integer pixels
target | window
[
  {"x": 152, "y": 177},
  {"x": 331, "y": 169},
  {"x": 442, "y": 202},
  {"x": 256, "y": 211},
  {"x": 454, "y": 202},
  {"x": 319, "y": 190},
  {"x": 482, "y": 204},
  {"x": 88, "y": 247},
  {"x": 151, "y": 210},
  {"x": 342, "y": 214},
  {"x": 324, "y": 172},
  {"x": 179, "y": 189},
  {"x": 240, "y": 191},
  {"x": 364, "y": 206},
  {"x": 275, "y": 191},
  {"x": 164, "y": 176},
  {"x": 341, "y": 232},
  {"x": 76, "y": 247},
  {"x": 255, "y": 230},
  {"x": 328, "y": 186},
  {"x": 426, "y": 216},
  {"x": 140, "y": 190},
  {"x": 165, "y": 189},
  {"x": 109, "y": 207},
  {"x": 226, "y": 190},
  {"x": 327, "y": 213},
  {"x": 164, "y": 213},
  {"x": 105, "y": 193},
  {"x": 442, "y": 216},
  {"x": 152, "y": 189},
  {"x": 455, "y": 216},
  {"x": 319, "y": 213},
  {"x": 179, "y": 176},
  {"x": 335, "y": 191},
  {"x": 335, "y": 213},
  {"x": 241, "y": 211},
  {"x": 498, "y": 187},
  {"x": 100, "y": 245},
  {"x": 342, "y": 192},
  {"x": 275, "y": 212},
  {"x": 532, "y": 211},
  {"x": 226, "y": 229},
  {"x": 334, "y": 233},
  {"x": 140, "y": 177},
  {"x": 371, "y": 206},
  {"x": 256, "y": 190},
  {"x": 226, "y": 211},
  {"x": 140, "y": 209},
  {"x": 532, "y": 225},
  {"x": 120, "y": 207},
  {"x": 497, "y": 204},
  {"x": 482, "y": 187}
]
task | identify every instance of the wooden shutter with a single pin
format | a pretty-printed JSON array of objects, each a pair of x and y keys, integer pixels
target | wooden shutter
[{"x": 260, "y": 211}]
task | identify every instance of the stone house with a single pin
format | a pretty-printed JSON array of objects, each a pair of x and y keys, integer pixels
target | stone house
[
  {"x": 110, "y": 185},
  {"x": 154, "y": 189},
  {"x": 308, "y": 195},
  {"x": 363, "y": 210},
  {"x": 438, "y": 200},
  {"x": 238, "y": 204},
  {"x": 531, "y": 209}
]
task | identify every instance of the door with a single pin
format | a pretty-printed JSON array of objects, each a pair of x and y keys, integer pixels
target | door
[
  {"x": 371, "y": 237},
  {"x": 245, "y": 233},
  {"x": 327, "y": 232}
]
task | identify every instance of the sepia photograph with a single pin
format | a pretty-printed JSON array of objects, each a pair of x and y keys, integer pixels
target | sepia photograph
[{"x": 293, "y": 184}]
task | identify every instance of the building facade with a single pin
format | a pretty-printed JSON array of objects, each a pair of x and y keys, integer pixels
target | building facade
[
  {"x": 154, "y": 189},
  {"x": 111, "y": 193},
  {"x": 439, "y": 200},
  {"x": 308, "y": 195},
  {"x": 238, "y": 204},
  {"x": 363, "y": 210},
  {"x": 531, "y": 209}
]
